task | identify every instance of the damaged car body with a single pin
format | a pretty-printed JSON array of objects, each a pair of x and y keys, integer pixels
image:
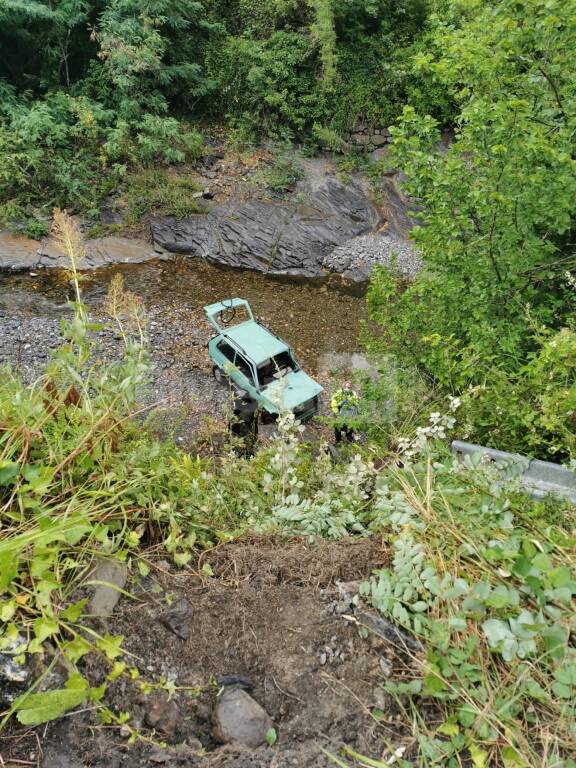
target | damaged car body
[{"x": 258, "y": 362}]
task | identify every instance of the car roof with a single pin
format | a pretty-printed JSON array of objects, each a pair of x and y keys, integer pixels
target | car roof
[{"x": 257, "y": 342}]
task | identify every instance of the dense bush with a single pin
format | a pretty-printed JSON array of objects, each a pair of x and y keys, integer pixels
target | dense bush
[{"x": 487, "y": 312}]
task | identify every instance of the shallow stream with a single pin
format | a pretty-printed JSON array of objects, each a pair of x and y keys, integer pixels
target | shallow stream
[{"x": 318, "y": 319}]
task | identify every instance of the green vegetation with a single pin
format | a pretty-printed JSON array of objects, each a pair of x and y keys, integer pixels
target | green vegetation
[
  {"x": 493, "y": 315},
  {"x": 282, "y": 174},
  {"x": 485, "y": 337},
  {"x": 114, "y": 84}
]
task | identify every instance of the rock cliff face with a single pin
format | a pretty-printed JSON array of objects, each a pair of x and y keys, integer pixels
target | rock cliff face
[{"x": 280, "y": 237}]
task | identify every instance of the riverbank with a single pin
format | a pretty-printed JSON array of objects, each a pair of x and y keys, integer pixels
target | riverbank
[{"x": 324, "y": 224}]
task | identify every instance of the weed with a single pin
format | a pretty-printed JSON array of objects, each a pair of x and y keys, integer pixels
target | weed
[
  {"x": 161, "y": 192},
  {"x": 283, "y": 174},
  {"x": 36, "y": 229}
]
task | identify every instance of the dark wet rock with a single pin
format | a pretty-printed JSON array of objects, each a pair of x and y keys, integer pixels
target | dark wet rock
[
  {"x": 100, "y": 252},
  {"x": 113, "y": 574},
  {"x": 280, "y": 237},
  {"x": 240, "y": 681},
  {"x": 238, "y": 718},
  {"x": 177, "y": 619},
  {"x": 163, "y": 715}
]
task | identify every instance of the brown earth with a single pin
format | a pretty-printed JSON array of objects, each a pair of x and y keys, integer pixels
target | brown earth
[{"x": 273, "y": 614}]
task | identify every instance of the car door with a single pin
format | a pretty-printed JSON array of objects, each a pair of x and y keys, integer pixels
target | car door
[
  {"x": 226, "y": 356},
  {"x": 244, "y": 375}
]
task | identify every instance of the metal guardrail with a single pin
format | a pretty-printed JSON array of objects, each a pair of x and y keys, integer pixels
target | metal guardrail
[{"x": 539, "y": 478}]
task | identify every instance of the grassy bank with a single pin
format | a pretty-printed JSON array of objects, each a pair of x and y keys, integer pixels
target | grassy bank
[{"x": 481, "y": 575}]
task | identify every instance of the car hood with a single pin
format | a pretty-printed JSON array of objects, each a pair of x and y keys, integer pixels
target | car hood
[{"x": 292, "y": 390}]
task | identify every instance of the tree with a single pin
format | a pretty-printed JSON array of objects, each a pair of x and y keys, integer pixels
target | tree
[
  {"x": 40, "y": 39},
  {"x": 147, "y": 47},
  {"x": 499, "y": 202}
]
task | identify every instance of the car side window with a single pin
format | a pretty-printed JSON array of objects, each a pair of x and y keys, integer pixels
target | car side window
[
  {"x": 244, "y": 368},
  {"x": 227, "y": 351}
]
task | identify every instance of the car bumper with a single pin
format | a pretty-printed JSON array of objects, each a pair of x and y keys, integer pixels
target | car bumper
[{"x": 308, "y": 409}]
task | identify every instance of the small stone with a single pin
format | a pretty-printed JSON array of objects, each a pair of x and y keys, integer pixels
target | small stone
[
  {"x": 113, "y": 574},
  {"x": 238, "y": 718},
  {"x": 177, "y": 618},
  {"x": 385, "y": 666},
  {"x": 194, "y": 744},
  {"x": 323, "y": 658},
  {"x": 163, "y": 715}
]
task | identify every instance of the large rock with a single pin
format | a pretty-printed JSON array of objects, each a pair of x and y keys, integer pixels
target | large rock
[
  {"x": 240, "y": 719},
  {"x": 273, "y": 236},
  {"x": 112, "y": 574},
  {"x": 19, "y": 253}
]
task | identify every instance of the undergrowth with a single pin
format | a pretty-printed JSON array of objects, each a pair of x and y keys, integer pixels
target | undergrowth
[
  {"x": 480, "y": 574},
  {"x": 79, "y": 479}
]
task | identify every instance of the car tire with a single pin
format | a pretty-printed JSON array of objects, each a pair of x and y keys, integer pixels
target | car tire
[{"x": 219, "y": 375}]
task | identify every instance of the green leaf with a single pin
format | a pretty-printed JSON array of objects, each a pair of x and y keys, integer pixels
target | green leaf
[
  {"x": 110, "y": 645},
  {"x": 45, "y": 627},
  {"x": 9, "y": 471},
  {"x": 555, "y": 641},
  {"x": 76, "y": 649},
  {"x": 479, "y": 756},
  {"x": 74, "y": 611},
  {"x": 42, "y": 707},
  {"x": 7, "y": 610},
  {"x": 542, "y": 562},
  {"x": 8, "y": 569},
  {"x": 271, "y": 737},
  {"x": 512, "y": 759},
  {"x": 449, "y": 728},
  {"x": 560, "y": 576}
]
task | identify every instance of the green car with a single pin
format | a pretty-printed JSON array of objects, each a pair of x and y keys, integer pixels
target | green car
[{"x": 256, "y": 361}]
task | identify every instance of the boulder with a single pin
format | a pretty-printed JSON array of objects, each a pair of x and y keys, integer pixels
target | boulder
[
  {"x": 280, "y": 237},
  {"x": 240, "y": 719}
]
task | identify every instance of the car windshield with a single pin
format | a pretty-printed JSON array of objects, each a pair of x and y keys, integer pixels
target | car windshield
[{"x": 276, "y": 367}]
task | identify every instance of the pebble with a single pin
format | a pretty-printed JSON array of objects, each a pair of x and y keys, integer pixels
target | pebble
[
  {"x": 163, "y": 715},
  {"x": 360, "y": 254},
  {"x": 177, "y": 618}
]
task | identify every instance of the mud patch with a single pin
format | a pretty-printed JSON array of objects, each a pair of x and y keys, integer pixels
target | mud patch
[{"x": 273, "y": 618}]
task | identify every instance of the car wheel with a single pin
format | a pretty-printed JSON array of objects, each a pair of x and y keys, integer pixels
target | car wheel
[{"x": 219, "y": 375}]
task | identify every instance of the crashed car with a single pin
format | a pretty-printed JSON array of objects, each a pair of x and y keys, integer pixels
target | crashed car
[{"x": 258, "y": 362}]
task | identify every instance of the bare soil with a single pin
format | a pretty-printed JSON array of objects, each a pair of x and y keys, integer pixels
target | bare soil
[{"x": 275, "y": 614}]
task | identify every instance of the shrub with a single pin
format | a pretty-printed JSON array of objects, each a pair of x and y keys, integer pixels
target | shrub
[
  {"x": 283, "y": 173},
  {"x": 50, "y": 153},
  {"x": 160, "y": 192}
]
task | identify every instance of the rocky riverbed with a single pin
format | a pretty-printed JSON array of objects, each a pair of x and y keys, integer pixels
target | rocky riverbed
[{"x": 319, "y": 321}]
